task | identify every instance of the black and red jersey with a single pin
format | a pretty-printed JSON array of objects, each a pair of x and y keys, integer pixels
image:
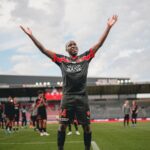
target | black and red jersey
[
  {"x": 9, "y": 108},
  {"x": 16, "y": 108},
  {"x": 74, "y": 72},
  {"x": 134, "y": 109}
]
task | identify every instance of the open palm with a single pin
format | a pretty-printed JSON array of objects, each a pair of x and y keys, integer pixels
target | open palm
[
  {"x": 112, "y": 20},
  {"x": 26, "y": 30}
]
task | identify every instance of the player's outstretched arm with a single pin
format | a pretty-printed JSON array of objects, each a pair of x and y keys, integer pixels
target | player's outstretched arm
[
  {"x": 47, "y": 52},
  {"x": 110, "y": 23}
]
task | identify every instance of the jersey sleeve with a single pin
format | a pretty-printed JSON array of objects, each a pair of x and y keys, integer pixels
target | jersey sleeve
[{"x": 88, "y": 55}]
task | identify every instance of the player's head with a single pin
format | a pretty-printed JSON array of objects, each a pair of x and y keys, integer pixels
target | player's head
[
  {"x": 40, "y": 93},
  {"x": 133, "y": 102},
  {"x": 72, "y": 48},
  {"x": 10, "y": 99}
]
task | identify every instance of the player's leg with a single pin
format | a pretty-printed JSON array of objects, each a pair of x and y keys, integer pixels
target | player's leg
[
  {"x": 34, "y": 121},
  {"x": 66, "y": 116},
  {"x": 2, "y": 123},
  {"x": 37, "y": 123},
  {"x": 11, "y": 120},
  {"x": 83, "y": 118},
  {"x": 43, "y": 117},
  {"x": 45, "y": 127},
  {"x": 69, "y": 128},
  {"x": 128, "y": 118},
  {"x": 22, "y": 121},
  {"x": 132, "y": 120},
  {"x": 87, "y": 136},
  {"x": 76, "y": 127},
  {"x": 7, "y": 123},
  {"x": 125, "y": 119},
  {"x": 31, "y": 122},
  {"x": 135, "y": 119},
  {"x": 18, "y": 122},
  {"x": 61, "y": 135},
  {"x": 41, "y": 126},
  {"x": 25, "y": 121}
]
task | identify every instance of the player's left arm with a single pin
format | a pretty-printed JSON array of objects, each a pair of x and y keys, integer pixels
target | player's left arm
[{"x": 111, "y": 21}]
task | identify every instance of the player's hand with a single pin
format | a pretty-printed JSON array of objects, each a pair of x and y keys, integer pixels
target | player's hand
[
  {"x": 112, "y": 20},
  {"x": 26, "y": 30}
]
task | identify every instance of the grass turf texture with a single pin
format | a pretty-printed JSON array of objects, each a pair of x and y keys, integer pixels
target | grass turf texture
[{"x": 108, "y": 136}]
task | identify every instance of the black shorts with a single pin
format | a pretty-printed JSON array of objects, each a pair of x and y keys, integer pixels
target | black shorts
[
  {"x": 126, "y": 117},
  {"x": 74, "y": 107},
  {"x": 42, "y": 116},
  {"x": 34, "y": 118},
  {"x": 134, "y": 115},
  {"x": 41, "y": 113},
  {"x": 10, "y": 117}
]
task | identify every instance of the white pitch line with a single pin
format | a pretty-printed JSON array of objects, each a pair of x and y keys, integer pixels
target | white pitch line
[
  {"x": 26, "y": 143},
  {"x": 95, "y": 146},
  {"x": 52, "y": 142},
  {"x": 93, "y": 143}
]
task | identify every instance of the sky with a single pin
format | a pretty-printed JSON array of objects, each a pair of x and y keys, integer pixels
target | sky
[{"x": 125, "y": 53}]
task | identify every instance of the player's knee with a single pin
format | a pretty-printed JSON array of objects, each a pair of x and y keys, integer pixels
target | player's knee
[
  {"x": 62, "y": 127},
  {"x": 87, "y": 128}
]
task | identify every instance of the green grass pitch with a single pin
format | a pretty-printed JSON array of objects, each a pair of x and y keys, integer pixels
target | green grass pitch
[{"x": 108, "y": 136}]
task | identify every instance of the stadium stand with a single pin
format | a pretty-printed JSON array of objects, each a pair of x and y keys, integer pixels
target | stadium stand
[{"x": 106, "y": 95}]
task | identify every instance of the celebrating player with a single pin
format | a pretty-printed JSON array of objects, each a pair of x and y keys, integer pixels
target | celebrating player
[{"x": 74, "y": 72}]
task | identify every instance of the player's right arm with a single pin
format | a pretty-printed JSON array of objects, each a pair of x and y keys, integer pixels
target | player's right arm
[
  {"x": 45, "y": 51},
  {"x": 111, "y": 21}
]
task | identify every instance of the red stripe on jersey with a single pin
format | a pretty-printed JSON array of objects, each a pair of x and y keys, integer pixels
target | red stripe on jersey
[
  {"x": 89, "y": 56},
  {"x": 60, "y": 59}
]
